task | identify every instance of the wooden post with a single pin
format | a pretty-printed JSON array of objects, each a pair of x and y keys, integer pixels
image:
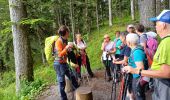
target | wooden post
[
  {"x": 84, "y": 93},
  {"x": 68, "y": 87}
]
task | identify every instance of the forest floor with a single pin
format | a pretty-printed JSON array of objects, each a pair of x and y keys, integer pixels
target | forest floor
[{"x": 101, "y": 89}]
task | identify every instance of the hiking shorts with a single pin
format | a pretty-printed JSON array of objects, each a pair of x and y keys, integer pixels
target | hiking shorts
[{"x": 161, "y": 91}]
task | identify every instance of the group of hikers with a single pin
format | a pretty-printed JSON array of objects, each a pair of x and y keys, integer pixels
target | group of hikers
[{"x": 134, "y": 52}]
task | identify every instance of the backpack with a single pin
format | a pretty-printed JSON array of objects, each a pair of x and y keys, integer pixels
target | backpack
[
  {"x": 146, "y": 66},
  {"x": 49, "y": 48},
  {"x": 151, "y": 47}
]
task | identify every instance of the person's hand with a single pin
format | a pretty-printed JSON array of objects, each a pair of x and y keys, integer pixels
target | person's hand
[
  {"x": 129, "y": 69},
  {"x": 76, "y": 65},
  {"x": 69, "y": 46}
]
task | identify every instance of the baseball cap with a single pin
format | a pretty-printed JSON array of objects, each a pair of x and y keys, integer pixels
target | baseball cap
[{"x": 164, "y": 16}]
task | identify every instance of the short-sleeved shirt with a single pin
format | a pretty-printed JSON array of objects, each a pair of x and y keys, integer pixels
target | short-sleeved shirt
[
  {"x": 118, "y": 44},
  {"x": 126, "y": 51},
  {"x": 109, "y": 47},
  {"x": 162, "y": 55},
  {"x": 143, "y": 38},
  {"x": 137, "y": 55}
]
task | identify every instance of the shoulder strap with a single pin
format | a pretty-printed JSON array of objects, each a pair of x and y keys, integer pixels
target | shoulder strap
[{"x": 137, "y": 48}]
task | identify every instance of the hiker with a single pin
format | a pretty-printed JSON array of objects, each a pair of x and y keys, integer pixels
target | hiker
[
  {"x": 83, "y": 58},
  {"x": 118, "y": 45},
  {"x": 160, "y": 69},
  {"x": 148, "y": 42},
  {"x": 60, "y": 63},
  {"x": 142, "y": 36},
  {"x": 138, "y": 60},
  {"x": 130, "y": 28},
  {"x": 126, "y": 53},
  {"x": 108, "y": 49}
]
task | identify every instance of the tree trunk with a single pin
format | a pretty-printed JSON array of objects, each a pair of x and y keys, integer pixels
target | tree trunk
[
  {"x": 84, "y": 93},
  {"x": 22, "y": 50},
  {"x": 110, "y": 12},
  {"x": 86, "y": 16},
  {"x": 102, "y": 13},
  {"x": 39, "y": 31},
  {"x": 158, "y": 7},
  {"x": 71, "y": 18},
  {"x": 132, "y": 9},
  {"x": 147, "y": 10},
  {"x": 97, "y": 16}
]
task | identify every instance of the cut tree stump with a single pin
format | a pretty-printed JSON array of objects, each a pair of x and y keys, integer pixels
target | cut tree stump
[
  {"x": 84, "y": 93},
  {"x": 68, "y": 87}
]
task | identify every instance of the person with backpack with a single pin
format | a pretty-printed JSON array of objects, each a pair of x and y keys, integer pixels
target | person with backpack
[
  {"x": 138, "y": 60},
  {"x": 60, "y": 63},
  {"x": 83, "y": 59},
  {"x": 160, "y": 69},
  {"x": 126, "y": 53},
  {"x": 148, "y": 42},
  {"x": 107, "y": 57}
]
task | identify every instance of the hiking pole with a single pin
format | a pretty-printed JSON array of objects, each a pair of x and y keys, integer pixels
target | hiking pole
[
  {"x": 114, "y": 84},
  {"x": 125, "y": 86},
  {"x": 107, "y": 65}
]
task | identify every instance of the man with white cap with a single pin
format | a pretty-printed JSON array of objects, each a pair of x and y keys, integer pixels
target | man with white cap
[{"x": 160, "y": 69}]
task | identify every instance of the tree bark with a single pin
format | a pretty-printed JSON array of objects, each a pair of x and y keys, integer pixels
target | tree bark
[
  {"x": 147, "y": 10},
  {"x": 158, "y": 7},
  {"x": 84, "y": 93},
  {"x": 110, "y": 12},
  {"x": 72, "y": 18},
  {"x": 97, "y": 16},
  {"x": 39, "y": 32},
  {"x": 132, "y": 9},
  {"x": 22, "y": 50}
]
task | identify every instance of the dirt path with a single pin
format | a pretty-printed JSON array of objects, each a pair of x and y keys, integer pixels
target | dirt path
[{"x": 100, "y": 88}]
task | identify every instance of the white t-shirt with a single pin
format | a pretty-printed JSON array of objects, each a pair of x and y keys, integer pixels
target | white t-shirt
[
  {"x": 81, "y": 45},
  {"x": 109, "y": 47}
]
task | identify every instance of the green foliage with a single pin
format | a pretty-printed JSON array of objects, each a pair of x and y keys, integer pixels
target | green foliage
[
  {"x": 31, "y": 89},
  {"x": 35, "y": 22},
  {"x": 43, "y": 76},
  {"x": 7, "y": 78},
  {"x": 8, "y": 93}
]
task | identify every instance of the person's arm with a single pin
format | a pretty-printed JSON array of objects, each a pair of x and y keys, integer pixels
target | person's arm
[
  {"x": 113, "y": 51},
  {"x": 103, "y": 46},
  {"x": 164, "y": 72},
  {"x": 124, "y": 61},
  {"x": 59, "y": 46}
]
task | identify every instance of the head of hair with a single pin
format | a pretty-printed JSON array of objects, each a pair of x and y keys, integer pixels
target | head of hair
[
  {"x": 140, "y": 28},
  {"x": 132, "y": 38},
  {"x": 106, "y": 36},
  {"x": 132, "y": 29},
  {"x": 63, "y": 30},
  {"x": 117, "y": 32},
  {"x": 123, "y": 34}
]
